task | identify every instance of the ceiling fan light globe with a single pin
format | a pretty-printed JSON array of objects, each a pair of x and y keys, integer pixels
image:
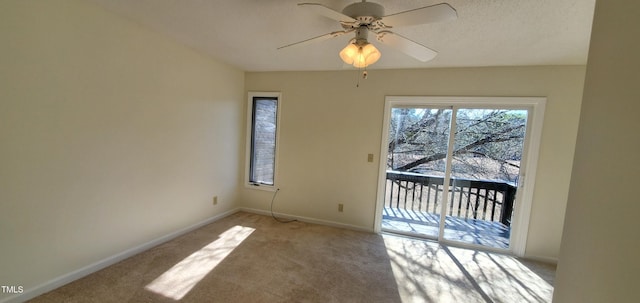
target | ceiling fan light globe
[
  {"x": 369, "y": 54},
  {"x": 349, "y": 53},
  {"x": 360, "y": 56}
]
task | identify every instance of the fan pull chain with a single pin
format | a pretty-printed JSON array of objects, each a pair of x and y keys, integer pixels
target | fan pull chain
[{"x": 365, "y": 75}]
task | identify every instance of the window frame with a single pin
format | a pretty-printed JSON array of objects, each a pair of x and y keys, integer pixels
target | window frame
[{"x": 249, "y": 139}]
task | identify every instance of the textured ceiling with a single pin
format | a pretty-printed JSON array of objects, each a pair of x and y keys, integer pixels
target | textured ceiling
[{"x": 247, "y": 33}]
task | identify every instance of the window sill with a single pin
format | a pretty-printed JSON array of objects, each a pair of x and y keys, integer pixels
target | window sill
[{"x": 263, "y": 187}]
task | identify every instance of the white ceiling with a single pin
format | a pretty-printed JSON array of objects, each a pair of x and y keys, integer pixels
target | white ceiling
[{"x": 246, "y": 33}]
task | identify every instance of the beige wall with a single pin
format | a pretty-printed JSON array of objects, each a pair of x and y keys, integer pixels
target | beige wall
[
  {"x": 329, "y": 126},
  {"x": 110, "y": 136},
  {"x": 599, "y": 254}
]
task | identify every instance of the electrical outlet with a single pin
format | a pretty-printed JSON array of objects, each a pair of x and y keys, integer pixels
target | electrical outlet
[
  {"x": 215, "y": 200},
  {"x": 340, "y": 207}
]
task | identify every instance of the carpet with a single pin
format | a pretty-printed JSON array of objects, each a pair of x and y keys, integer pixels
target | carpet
[{"x": 252, "y": 258}]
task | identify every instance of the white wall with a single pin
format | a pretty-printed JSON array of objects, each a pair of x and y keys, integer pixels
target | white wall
[
  {"x": 599, "y": 255},
  {"x": 110, "y": 136},
  {"x": 329, "y": 126}
]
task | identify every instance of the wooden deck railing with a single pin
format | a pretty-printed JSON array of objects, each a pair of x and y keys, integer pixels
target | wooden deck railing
[{"x": 482, "y": 200}]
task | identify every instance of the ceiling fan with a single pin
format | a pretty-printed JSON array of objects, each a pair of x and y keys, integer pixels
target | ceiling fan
[{"x": 364, "y": 17}]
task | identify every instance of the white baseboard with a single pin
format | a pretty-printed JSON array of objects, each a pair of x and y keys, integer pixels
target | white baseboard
[
  {"x": 89, "y": 269},
  {"x": 306, "y": 219}
]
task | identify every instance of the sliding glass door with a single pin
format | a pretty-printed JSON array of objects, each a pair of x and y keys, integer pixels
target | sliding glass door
[
  {"x": 452, "y": 170},
  {"x": 485, "y": 168},
  {"x": 416, "y": 162}
]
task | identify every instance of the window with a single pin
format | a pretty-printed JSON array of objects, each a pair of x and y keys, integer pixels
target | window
[{"x": 263, "y": 116}]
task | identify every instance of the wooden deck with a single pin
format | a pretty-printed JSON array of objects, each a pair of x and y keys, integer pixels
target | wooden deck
[{"x": 486, "y": 233}]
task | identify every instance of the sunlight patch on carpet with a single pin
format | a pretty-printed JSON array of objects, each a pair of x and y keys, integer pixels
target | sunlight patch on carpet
[
  {"x": 504, "y": 277},
  {"x": 176, "y": 282},
  {"x": 425, "y": 271}
]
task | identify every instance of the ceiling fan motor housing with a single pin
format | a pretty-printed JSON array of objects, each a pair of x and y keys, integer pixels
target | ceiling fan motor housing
[{"x": 364, "y": 9}]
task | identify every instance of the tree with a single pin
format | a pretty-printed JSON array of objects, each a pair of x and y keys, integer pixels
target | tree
[{"x": 487, "y": 144}]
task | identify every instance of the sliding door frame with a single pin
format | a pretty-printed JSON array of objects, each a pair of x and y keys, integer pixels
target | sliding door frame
[{"x": 524, "y": 196}]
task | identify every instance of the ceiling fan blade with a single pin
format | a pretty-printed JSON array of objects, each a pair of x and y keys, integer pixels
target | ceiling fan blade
[
  {"x": 428, "y": 14},
  {"x": 317, "y": 39},
  {"x": 327, "y": 12},
  {"x": 409, "y": 47}
]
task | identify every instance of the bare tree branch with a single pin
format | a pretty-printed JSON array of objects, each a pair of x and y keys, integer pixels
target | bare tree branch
[
  {"x": 415, "y": 129},
  {"x": 462, "y": 150},
  {"x": 494, "y": 158}
]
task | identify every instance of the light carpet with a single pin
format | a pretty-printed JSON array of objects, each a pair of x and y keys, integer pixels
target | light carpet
[{"x": 252, "y": 258}]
